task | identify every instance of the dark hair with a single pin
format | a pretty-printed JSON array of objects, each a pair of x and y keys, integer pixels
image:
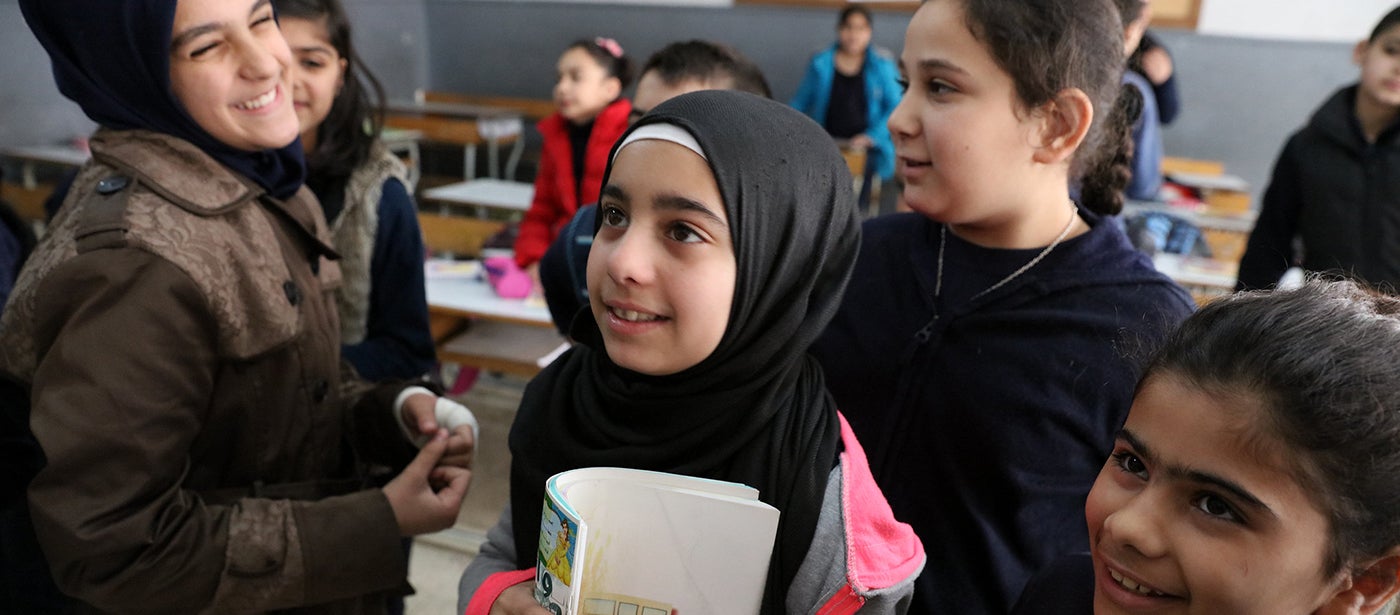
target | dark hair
[
  {"x": 854, "y": 9},
  {"x": 344, "y": 138},
  {"x": 1324, "y": 360},
  {"x": 708, "y": 62},
  {"x": 1129, "y": 10},
  {"x": 617, "y": 65},
  {"x": 1047, "y": 46},
  {"x": 1390, "y": 20}
]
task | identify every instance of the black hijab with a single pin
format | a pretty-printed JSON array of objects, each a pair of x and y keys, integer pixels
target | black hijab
[
  {"x": 112, "y": 57},
  {"x": 755, "y": 411}
]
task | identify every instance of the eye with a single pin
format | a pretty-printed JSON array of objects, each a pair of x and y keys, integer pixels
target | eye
[
  {"x": 938, "y": 87},
  {"x": 613, "y": 217},
  {"x": 263, "y": 17},
  {"x": 1130, "y": 463},
  {"x": 312, "y": 64},
  {"x": 683, "y": 233},
  {"x": 903, "y": 84},
  {"x": 203, "y": 50},
  {"x": 1217, "y": 507}
]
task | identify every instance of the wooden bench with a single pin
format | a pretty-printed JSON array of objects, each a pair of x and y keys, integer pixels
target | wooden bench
[{"x": 532, "y": 109}]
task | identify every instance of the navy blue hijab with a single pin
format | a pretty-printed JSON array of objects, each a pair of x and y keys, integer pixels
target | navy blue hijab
[{"x": 112, "y": 57}]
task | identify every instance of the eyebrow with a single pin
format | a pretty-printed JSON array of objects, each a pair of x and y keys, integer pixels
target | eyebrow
[
  {"x": 933, "y": 64},
  {"x": 189, "y": 33},
  {"x": 1197, "y": 476},
  {"x": 673, "y": 202}
]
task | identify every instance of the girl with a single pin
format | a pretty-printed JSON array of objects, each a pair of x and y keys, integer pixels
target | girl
[
  {"x": 592, "y": 115},
  {"x": 365, "y": 194},
  {"x": 176, "y": 332},
  {"x": 727, "y": 230},
  {"x": 1146, "y": 159},
  {"x": 1336, "y": 184},
  {"x": 851, "y": 89},
  {"x": 1258, "y": 468},
  {"x": 979, "y": 353}
]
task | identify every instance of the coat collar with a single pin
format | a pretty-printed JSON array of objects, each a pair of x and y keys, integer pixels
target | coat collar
[{"x": 175, "y": 169}]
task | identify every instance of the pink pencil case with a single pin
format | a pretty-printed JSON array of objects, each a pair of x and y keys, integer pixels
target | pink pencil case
[{"x": 508, "y": 279}]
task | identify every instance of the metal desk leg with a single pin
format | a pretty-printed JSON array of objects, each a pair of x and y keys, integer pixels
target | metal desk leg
[
  {"x": 493, "y": 168},
  {"x": 469, "y": 163},
  {"x": 513, "y": 161}
]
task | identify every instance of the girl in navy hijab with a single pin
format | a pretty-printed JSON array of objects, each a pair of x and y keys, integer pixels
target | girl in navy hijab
[{"x": 177, "y": 334}]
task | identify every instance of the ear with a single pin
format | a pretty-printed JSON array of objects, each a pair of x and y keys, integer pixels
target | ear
[
  {"x": 1063, "y": 123},
  {"x": 1358, "y": 53},
  {"x": 340, "y": 81},
  {"x": 1365, "y": 592},
  {"x": 614, "y": 87}
]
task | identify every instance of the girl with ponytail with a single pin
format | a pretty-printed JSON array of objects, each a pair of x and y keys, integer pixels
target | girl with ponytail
[{"x": 981, "y": 354}]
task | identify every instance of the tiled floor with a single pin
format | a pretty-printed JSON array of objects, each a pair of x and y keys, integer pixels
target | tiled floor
[{"x": 437, "y": 560}]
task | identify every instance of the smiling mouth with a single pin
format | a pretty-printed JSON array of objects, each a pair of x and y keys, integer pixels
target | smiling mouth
[
  {"x": 915, "y": 163},
  {"x": 259, "y": 102},
  {"x": 631, "y": 316},
  {"x": 1134, "y": 586}
]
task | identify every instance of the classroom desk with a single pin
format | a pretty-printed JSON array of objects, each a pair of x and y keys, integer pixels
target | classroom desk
[
  {"x": 404, "y": 142},
  {"x": 28, "y": 195},
  {"x": 492, "y": 124},
  {"x": 473, "y": 326},
  {"x": 31, "y": 155},
  {"x": 482, "y": 194}
]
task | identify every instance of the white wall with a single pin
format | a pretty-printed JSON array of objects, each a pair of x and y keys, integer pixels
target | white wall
[{"x": 1305, "y": 20}]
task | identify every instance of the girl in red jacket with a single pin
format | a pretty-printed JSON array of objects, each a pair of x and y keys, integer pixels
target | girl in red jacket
[{"x": 592, "y": 115}]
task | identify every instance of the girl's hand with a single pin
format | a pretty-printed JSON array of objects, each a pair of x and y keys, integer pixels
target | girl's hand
[
  {"x": 518, "y": 599},
  {"x": 426, "y": 497},
  {"x": 425, "y": 414},
  {"x": 536, "y": 289},
  {"x": 861, "y": 142}
]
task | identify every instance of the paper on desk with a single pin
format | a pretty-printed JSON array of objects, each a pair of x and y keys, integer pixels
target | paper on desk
[{"x": 440, "y": 268}]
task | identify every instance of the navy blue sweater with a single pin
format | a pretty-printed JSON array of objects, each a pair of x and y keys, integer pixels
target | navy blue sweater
[
  {"x": 987, "y": 425},
  {"x": 397, "y": 344}
]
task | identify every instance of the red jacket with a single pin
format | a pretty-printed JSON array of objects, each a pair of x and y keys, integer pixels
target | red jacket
[{"x": 556, "y": 198}]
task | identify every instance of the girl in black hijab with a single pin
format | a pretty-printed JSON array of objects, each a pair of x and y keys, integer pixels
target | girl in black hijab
[
  {"x": 177, "y": 335},
  {"x": 727, "y": 231}
]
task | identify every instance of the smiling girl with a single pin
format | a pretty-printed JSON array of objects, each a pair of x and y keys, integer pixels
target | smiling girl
[
  {"x": 727, "y": 231},
  {"x": 365, "y": 194},
  {"x": 980, "y": 351},
  {"x": 1257, "y": 470},
  {"x": 176, "y": 332}
]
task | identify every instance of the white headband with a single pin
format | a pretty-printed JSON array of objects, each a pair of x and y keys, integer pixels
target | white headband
[{"x": 663, "y": 132}]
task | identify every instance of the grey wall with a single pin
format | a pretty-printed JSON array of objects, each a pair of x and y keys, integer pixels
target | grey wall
[
  {"x": 510, "y": 48},
  {"x": 1242, "y": 97},
  {"x": 389, "y": 35},
  {"x": 31, "y": 109}
]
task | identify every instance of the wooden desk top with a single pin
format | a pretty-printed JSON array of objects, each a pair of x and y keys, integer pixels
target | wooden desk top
[
  {"x": 53, "y": 154},
  {"x": 490, "y": 193}
]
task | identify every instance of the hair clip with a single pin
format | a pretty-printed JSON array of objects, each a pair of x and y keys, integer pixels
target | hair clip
[{"x": 609, "y": 45}]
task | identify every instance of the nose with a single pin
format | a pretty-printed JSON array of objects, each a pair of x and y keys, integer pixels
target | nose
[
  {"x": 630, "y": 259},
  {"x": 1139, "y": 526},
  {"x": 903, "y": 122},
  {"x": 259, "y": 57}
]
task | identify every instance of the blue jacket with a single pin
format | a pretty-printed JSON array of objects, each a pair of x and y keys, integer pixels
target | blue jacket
[
  {"x": 987, "y": 420},
  {"x": 1147, "y": 137},
  {"x": 882, "y": 94}
]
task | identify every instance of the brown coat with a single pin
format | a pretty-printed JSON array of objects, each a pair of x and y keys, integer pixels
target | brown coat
[{"x": 178, "y": 330}]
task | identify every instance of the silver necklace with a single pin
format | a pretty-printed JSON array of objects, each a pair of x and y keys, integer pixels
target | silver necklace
[{"x": 943, "y": 242}]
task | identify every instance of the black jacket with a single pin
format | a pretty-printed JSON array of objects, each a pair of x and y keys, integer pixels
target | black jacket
[
  {"x": 1337, "y": 193},
  {"x": 987, "y": 425}
]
